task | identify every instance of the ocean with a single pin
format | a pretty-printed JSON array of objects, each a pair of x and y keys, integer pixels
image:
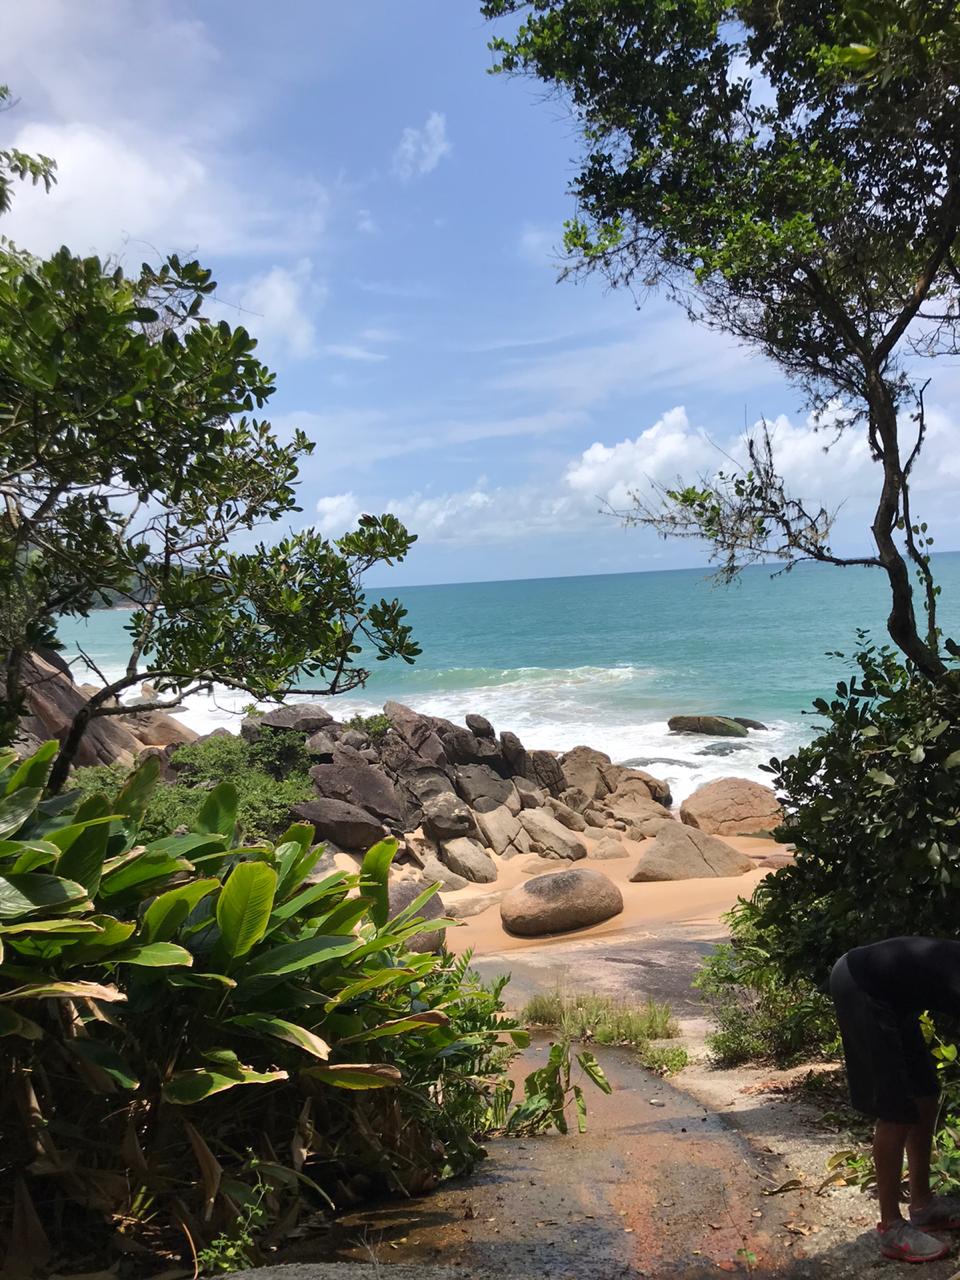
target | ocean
[{"x": 606, "y": 660}]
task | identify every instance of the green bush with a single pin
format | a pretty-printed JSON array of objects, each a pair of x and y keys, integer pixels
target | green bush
[
  {"x": 191, "y": 1029},
  {"x": 758, "y": 1015},
  {"x": 604, "y": 1020},
  {"x": 376, "y": 727},
  {"x": 872, "y": 807},
  {"x": 269, "y": 775}
]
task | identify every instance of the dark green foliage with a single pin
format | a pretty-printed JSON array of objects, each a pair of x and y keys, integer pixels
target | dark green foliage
[
  {"x": 758, "y": 1015},
  {"x": 376, "y": 727},
  {"x": 871, "y": 806},
  {"x": 190, "y": 1028},
  {"x": 270, "y": 776}
]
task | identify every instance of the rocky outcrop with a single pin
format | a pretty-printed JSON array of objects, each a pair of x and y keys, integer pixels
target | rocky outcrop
[
  {"x": 582, "y": 768},
  {"x": 556, "y": 903},
  {"x": 682, "y": 853},
  {"x": 503, "y": 832},
  {"x": 482, "y": 788},
  {"x": 417, "y": 732},
  {"x": 348, "y": 826},
  {"x": 732, "y": 807},
  {"x": 716, "y": 726},
  {"x": 545, "y": 771},
  {"x": 445, "y": 817},
  {"x": 553, "y": 838},
  {"x": 351, "y": 778}
]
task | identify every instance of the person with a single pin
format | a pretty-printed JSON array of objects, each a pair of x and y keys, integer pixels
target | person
[{"x": 879, "y": 992}]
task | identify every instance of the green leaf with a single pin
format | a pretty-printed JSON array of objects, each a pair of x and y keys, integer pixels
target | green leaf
[
  {"x": 13, "y": 1023},
  {"x": 153, "y": 955},
  {"x": 184, "y": 1088},
  {"x": 218, "y": 814},
  {"x": 17, "y": 808},
  {"x": 399, "y": 1026},
  {"x": 167, "y": 912},
  {"x": 64, "y": 991},
  {"x": 374, "y": 877},
  {"x": 107, "y": 1059},
  {"x": 39, "y": 853},
  {"x": 883, "y": 779},
  {"x": 133, "y": 799},
  {"x": 22, "y": 895},
  {"x": 385, "y": 978},
  {"x": 65, "y": 925},
  {"x": 952, "y": 761},
  {"x": 244, "y": 905},
  {"x": 298, "y": 905},
  {"x": 34, "y": 771},
  {"x": 192, "y": 845},
  {"x": 592, "y": 1068},
  {"x": 581, "y": 1104},
  {"x": 280, "y": 1029},
  {"x": 137, "y": 876},
  {"x": 292, "y": 956},
  {"x": 359, "y": 1075},
  {"x": 83, "y": 860}
]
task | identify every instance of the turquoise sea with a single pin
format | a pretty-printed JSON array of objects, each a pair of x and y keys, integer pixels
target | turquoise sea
[{"x": 606, "y": 660}]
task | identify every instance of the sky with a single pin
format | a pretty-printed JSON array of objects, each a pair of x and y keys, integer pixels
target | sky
[{"x": 384, "y": 216}]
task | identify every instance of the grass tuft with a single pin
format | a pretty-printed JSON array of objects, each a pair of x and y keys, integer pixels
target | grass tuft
[{"x": 604, "y": 1020}]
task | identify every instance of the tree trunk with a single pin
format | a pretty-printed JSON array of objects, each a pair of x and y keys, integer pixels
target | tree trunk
[
  {"x": 12, "y": 695},
  {"x": 68, "y": 750}
]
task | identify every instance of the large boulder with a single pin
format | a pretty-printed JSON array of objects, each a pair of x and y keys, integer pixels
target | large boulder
[
  {"x": 609, "y": 847},
  {"x": 480, "y": 726},
  {"x": 531, "y": 797},
  {"x": 468, "y": 859},
  {"x": 563, "y": 900},
  {"x": 556, "y": 840},
  {"x": 501, "y": 830},
  {"x": 732, "y": 807},
  {"x": 321, "y": 746},
  {"x": 682, "y": 853},
  {"x": 716, "y": 726},
  {"x": 445, "y": 817},
  {"x": 563, "y": 813},
  {"x": 545, "y": 770},
  {"x": 515, "y": 754},
  {"x": 349, "y": 777},
  {"x": 425, "y": 783},
  {"x": 749, "y": 724},
  {"x": 624, "y": 777},
  {"x": 631, "y": 803},
  {"x": 417, "y": 732},
  {"x": 303, "y": 717},
  {"x": 583, "y": 767},
  {"x": 402, "y": 890},
  {"x": 459, "y": 744},
  {"x": 478, "y": 783},
  {"x": 436, "y": 872},
  {"x": 348, "y": 826}
]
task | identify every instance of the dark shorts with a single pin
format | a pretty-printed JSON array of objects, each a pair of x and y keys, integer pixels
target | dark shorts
[{"x": 888, "y": 1061}]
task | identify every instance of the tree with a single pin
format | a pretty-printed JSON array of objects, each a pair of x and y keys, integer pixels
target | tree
[
  {"x": 18, "y": 164},
  {"x": 133, "y": 464},
  {"x": 789, "y": 171}
]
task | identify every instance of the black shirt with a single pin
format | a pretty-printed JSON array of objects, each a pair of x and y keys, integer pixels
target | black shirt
[{"x": 910, "y": 974}]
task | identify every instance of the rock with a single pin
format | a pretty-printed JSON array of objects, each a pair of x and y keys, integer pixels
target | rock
[
  {"x": 719, "y": 726},
  {"x": 748, "y": 724},
  {"x": 325, "y": 865},
  {"x": 354, "y": 738},
  {"x": 402, "y": 891},
  {"x": 250, "y": 729},
  {"x": 371, "y": 755},
  {"x": 576, "y": 798},
  {"x": 563, "y": 900},
  {"x": 582, "y": 767},
  {"x": 723, "y": 748},
  {"x": 514, "y": 753},
  {"x": 476, "y": 782},
  {"x": 435, "y": 871},
  {"x": 557, "y": 840},
  {"x": 683, "y": 853},
  {"x": 640, "y": 828},
  {"x": 546, "y": 772},
  {"x": 470, "y": 860},
  {"x": 595, "y": 833},
  {"x": 502, "y": 831},
  {"x": 445, "y": 817},
  {"x": 426, "y": 783},
  {"x": 531, "y": 797},
  {"x": 459, "y": 745},
  {"x": 396, "y": 756},
  {"x": 358, "y": 783},
  {"x": 658, "y": 789},
  {"x": 563, "y": 813},
  {"x": 219, "y": 732},
  {"x": 634, "y": 804},
  {"x": 345, "y": 824},
  {"x": 157, "y": 729},
  {"x": 776, "y": 860},
  {"x": 472, "y": 904},
  {"x": 609, "y": 847},
  {"x": 321, "y": 746},
  {"x": 480, "y": 726},
  {"x": 731, "y": 807},
  {"x": 416, "y": 731},
  {"x": 304, "y": 717}
]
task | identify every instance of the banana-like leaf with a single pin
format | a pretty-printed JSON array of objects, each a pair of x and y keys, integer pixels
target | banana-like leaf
[
  {"x": 64, "y": 991},
  {"x": 154, "y": 955},
  {"x": 133, "y": 799},
  {"x": 64, "y": 925},
  {"x": 184, "y": 1088},
  {"x": 15, "y": 809},
  {"x": 167, "y": 912},
  {"x": 95, "y": 806},
  {"x": 13, "y": 1023},
  {"x": 33, "y": 891},
  {"x": 356, "y": 1075},
  {"x": 219, "y": 811},
  {"x": 113, "y": 934},
  {"x": 34, "y": 771},
  {"x": 399, "y": 1026},
  {"x": 385, "y": 978},
  {"x": 244, "y": 905},
  {"x": 267, "y": 1025},
  {"x": 592, "y": 1068},
  {"x": 82, "y": 860},
  {"x": 137, "y": 877},
  {"x": 374, "y": 877},
  {"x": 315, "y": 893},
  {"x": 191, "y": 846},
  {"x": 292, "y": 956},
  {"x": 106, "y": 1058}
]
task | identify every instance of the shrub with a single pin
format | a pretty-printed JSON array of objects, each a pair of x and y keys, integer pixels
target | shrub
[
  {"x": 376, "y": 727},
  {"x": 269, "y": 775},
  {"x": 871, "y": 807},
  {"x": 191, "y": 1028}
]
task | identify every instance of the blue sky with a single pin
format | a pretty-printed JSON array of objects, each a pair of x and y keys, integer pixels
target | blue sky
[{"x": 384, "y": 216}]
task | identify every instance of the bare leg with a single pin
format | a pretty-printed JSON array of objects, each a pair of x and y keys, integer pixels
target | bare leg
[
  {"x": 919, "y": 1145},
  {"x": 889, "y": 1140}
]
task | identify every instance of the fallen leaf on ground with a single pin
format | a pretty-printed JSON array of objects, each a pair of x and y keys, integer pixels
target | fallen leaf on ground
[{"x": 792, "y": 1184}]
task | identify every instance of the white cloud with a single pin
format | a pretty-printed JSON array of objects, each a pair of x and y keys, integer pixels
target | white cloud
[
  {"x": 281, "y": 303},
  {"x": 351, "y": 351},
  {"x": 540, "y": 245},
  {"x": 366, "y": 223},
  {"x": 337, "y": 514},
  {"x": 421, "y": 150}
]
